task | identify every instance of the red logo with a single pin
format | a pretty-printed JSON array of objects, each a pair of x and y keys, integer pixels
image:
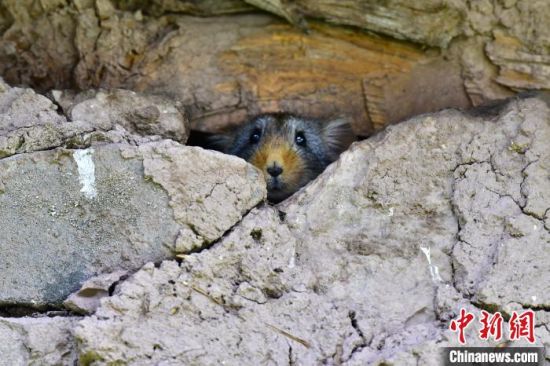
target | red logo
[
  {"x": 492, "y": 325},
  {"x": 520, "y": 325},
  {"x": 523, "y": 326},
  {"x": 463, "y": 321}
]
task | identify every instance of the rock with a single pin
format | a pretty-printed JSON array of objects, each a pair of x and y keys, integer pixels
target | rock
[
  {"x": 229, "y": 67},
  {"x": 20, "y": 108},
  {"x": 426, "y": 23},
  {"x": 86, "y": 300},
  {"x": 112, "y": 207},
  {"x": 206, "y": 211},
  {"x": 37, "y": 341},
  {"x": 139, "y": 114},
  {"x": 206, "y": 287},
  {"x": 31, "y": 122},
  {"x": 500, "y": 200},
  {"x": 366, "y": 264},
  {"x": 119, "y": 201}
]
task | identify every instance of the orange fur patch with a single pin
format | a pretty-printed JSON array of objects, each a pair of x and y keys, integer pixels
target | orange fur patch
[{"x": 278, "y": 151}]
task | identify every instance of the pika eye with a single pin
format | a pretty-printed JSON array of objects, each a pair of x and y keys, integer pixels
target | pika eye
[
  {"x": 255, "y": 136},
  {"x": 300, "y": 139}
]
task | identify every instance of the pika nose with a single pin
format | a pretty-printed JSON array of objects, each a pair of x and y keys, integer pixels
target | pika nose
[{"x": 274, "y": 170}]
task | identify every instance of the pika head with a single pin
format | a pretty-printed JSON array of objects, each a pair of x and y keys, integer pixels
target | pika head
[{"x": 288, "y": 149}]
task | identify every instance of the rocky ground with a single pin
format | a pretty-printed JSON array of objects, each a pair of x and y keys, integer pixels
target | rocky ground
[{"x": 128, "y": 247}]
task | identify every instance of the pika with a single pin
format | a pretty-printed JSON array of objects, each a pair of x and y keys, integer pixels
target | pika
[{"x": 290, "y": 150}]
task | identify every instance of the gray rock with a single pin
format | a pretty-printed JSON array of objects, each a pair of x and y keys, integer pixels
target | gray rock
[
  {"x": 31, "y": 122},
  {"x": 367, "y": 264},
  {"x": 116, "y": 202},
  {"x": 37, "y": 341},
  {"x": 500, "y": 197},
  {"x": 139, "y": 114},
  {"x": 86, "y": 300},
  {"x": 21, "y": 107},
  {"x": 73, "y": 214}
]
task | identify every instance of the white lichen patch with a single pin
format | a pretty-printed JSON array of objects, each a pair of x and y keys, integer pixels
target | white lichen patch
[
  {"x": 86, "y": 172},
  {"x": 434, "y": 271}
]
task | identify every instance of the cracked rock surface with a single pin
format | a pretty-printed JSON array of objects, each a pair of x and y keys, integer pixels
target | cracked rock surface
[
  {"x": 37, "y": 341},
  {"x": 31, "y": 122},
  {"x": 136, "y": 113},
  {"x": 99, "y": 199},
  {"x": 367, "y": 264}
]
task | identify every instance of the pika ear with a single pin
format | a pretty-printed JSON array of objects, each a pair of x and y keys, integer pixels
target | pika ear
[{"x": 338, "y": 135}]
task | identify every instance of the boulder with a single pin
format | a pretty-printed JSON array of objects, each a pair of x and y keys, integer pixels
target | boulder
[
  {"x": 83, "y": 197},
  {"x": 77, "y": 213}
]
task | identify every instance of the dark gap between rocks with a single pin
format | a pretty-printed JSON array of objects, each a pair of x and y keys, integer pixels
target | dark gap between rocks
[{"x": 24, "y": 310}]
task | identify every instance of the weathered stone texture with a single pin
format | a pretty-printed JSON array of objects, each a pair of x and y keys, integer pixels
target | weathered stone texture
[
  {"x": 367, "y": 264},
  {"x": 37, "y": 341},
  {"x": 119, "y": 201},
  {"x": 225, "y": 68}
]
